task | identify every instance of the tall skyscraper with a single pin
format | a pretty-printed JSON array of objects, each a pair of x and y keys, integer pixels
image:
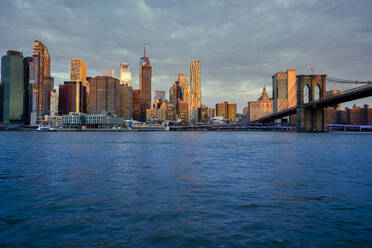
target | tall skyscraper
[
  {"x": 126, "y": 105},
  {"x": 53, "y": 104},
  {"x": 78, "y": 71},
  {"x": 14, "y": 88},
  {"x": 145, "y": 84},
  {"x": 68, "y": 102},
  {"x": 41, "y": 71},
  {"x": 125, "y": 75},
  {"x": 104, "y": 95},
  {"x": 195, "y": 88}
]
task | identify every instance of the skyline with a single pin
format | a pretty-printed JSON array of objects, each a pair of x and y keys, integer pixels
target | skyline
[{"x": 239, "y": 52}]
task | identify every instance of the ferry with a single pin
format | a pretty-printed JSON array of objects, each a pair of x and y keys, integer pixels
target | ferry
[{"x": 45, "y": 129}]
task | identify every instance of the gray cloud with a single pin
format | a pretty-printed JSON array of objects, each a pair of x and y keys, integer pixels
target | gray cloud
[{"x": 241, "y": 44}]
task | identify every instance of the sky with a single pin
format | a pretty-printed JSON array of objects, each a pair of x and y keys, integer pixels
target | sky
[{"x": 240, "y": 44}]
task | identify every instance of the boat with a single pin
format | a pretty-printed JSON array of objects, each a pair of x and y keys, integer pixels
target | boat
[{"x": 45, "y": 129}]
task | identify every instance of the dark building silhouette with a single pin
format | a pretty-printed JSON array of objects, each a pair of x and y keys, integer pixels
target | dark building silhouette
[
  {"x": 14, "y": 88},
  {"x": 104, "y": 95},
  {"x": 136, "y": 105},
  {"x": 72, "y": 98}
]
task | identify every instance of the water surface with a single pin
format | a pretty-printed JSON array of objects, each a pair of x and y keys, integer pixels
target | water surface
[{"x": 185, "y": 189}]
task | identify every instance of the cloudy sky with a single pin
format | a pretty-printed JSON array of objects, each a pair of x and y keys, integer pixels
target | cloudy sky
[{"x": 240, "y": 43}]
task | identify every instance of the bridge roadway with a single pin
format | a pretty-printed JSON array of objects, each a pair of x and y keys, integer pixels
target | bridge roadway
[{"x": 345, "y": 96}]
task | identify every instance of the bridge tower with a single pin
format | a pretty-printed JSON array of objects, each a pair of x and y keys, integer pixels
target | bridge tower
[{"x": 311, "y": 119}]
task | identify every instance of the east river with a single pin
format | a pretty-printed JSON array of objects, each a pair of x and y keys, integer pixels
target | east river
[{"x": 185, "y": 189}]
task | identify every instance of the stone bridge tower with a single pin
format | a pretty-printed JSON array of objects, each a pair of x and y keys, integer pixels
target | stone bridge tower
[{"x": 314, "y": 118}]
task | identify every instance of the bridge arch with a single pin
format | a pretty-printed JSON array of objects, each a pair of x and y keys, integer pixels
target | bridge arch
[{"x": 311, "y": 88}]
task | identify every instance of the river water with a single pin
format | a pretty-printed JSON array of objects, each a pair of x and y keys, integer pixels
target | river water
[{"x": 185, "y": 189}]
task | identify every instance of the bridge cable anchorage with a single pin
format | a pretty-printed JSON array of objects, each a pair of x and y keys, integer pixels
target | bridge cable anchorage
[{"x": 344, "y": 81}]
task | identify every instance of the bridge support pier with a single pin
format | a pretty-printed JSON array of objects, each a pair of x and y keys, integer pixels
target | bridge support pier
[{"x": 311, "y": 119}]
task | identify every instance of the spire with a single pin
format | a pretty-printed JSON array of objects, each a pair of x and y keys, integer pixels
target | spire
[{"x": 144, "y": 49}]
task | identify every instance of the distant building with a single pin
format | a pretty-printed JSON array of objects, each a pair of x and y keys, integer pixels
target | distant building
[
  {"x": 48, "y": 86},
  {"x": 203, "y": 114},
  {"x": 284, "y": 92},
  {"x": 183, "y": 111},
  {"x": 159, "y": 95},
  {"x": 160, "y": 114},
  {"x": 14, "y": 88},
  {"x": 72, "y": 98},
  {"x": 53, "y": 104},
  {"x": 136, "y": 105},
  {"x": 212, "y": 113},
  {"x": 125, "y": 75},
  {"x": 226, "y": 110},
  {"x": 245, "y": 111},
  {"x": 260, "y": 108},
  {"x": 195, "y": 88},
  {"x": 108, "y": 73},
  {"x": 104, "y": 95},
  {"x": 333, "y": 93},
  {"x": 350, "y": 116},
  {"x": 1, "y": 102},
  {"x": 145, "y": 84},
  {"x": 126, "y": 101}
]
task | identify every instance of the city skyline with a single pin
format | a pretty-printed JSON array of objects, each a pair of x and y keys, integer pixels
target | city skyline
[{"x": 253, "y": 47}]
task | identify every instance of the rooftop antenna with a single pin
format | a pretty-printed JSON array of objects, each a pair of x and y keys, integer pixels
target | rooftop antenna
[{"x": 144, "y": 49}]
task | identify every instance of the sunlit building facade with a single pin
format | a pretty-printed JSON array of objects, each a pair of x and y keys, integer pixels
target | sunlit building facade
[
  {"x": 226, "y": 110},
  {"x": 72, "y": 98},
  {"x": 195, "y": 88},
  {"x": 126, "y": 101},
  {"x": 260, "y": 108},
  {"x": 125, "y": 75}
]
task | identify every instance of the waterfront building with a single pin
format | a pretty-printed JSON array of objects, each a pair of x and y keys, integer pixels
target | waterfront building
[
  {"x": 284, "y": 92},
  {"x": 183, "y": 111},
  {"x": 125, "y": 75},
  {"x": 260, "y": 108},
  {"x": 40, "y": 67},
  {"x": 203, "y": 114},
  {"x": 14, "y": 88},
  {"x": 212, "y": 113},
  {"x": 126, "y": 101},
  {"x": 53, "y": 104},
  {"x": 136, "y": 105},
  {"x": 195, "y": 88},
  {"x": 226, "y": 110},
  {"x": 245, "y": 111},
  {"x": 172, "y": 110},
  {"x": 108, "y": 73},
  {"x": 104, "y": 95},
  {"x": 145, "y": 84},
  {"x": 160, "y": 114},
  {"x": 72, "y": 98}
]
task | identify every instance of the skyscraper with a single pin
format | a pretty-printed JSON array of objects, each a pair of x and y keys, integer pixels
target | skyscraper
[
  {"x": 159, "y": 95},
  {"x": 40, "y": 71},
  {"x": 145, "y": 84},
  {"x": 104, "y": 95},
  {"x": 14, "y": 88},
  {"x": 195, "y": 88},
  {"x": 78, "y": 71},
  {"x": 284, "y": 91},
  {"x": 126, "y": 97},
  {"x": 125, "y": 75},
  {"x": 68, "y": 102}
]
